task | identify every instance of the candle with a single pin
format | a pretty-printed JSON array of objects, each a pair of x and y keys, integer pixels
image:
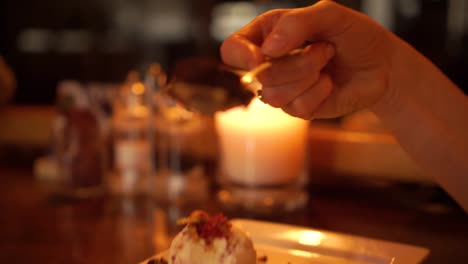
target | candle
[{"x": 261, "y": 145}]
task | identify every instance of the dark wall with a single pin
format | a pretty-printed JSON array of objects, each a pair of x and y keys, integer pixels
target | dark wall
[{"x": 109, "y": 51}]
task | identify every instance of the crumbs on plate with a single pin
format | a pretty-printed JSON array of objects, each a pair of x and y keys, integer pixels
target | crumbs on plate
[{"x": 262, "y": 259}]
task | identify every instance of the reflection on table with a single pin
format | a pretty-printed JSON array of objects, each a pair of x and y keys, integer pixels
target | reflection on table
[{"x": 36, "y": 227}]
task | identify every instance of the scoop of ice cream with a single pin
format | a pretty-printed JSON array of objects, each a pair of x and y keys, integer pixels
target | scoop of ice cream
[{"x": 211, "y": 240}]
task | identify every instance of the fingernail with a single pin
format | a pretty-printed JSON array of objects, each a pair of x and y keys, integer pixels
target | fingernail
[
  {"x": 273, "y": 44},
  {"x": 329, "y": 51}
]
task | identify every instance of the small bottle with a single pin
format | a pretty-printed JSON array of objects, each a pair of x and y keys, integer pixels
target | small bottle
[
  {"x": 78, "y": 145},
  {"x": 132, "y": 136}
]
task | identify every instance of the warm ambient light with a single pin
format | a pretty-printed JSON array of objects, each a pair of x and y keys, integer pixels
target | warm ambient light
[
  {"x": 138, "y": 88},
  {"x": 304, "y": 254},
  {"x": 310, "y": 238},
  {"x": 305, "y": 237}
]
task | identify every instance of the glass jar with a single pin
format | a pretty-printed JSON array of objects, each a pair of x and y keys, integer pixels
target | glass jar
[{"x": 131, "y": 162}]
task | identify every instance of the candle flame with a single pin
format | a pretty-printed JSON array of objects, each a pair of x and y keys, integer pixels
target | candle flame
[{"x": 247, "y": 79}]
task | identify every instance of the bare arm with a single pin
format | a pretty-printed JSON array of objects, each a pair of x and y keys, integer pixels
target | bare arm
[{"x": 429, "y": 116}]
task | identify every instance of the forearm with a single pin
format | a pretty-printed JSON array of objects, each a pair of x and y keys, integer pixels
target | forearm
[{"x": 429, "y": 116}]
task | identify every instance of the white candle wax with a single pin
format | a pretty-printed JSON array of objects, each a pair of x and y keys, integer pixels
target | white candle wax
[{"x": 261, "y": 145}]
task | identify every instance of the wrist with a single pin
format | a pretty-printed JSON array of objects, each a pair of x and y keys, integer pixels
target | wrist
[{"x": 403, "y": 75}]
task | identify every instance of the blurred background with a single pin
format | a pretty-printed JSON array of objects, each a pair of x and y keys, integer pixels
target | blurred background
[
  {"x": 100, "y": 41},
  {"x": 47, "y": 41}
]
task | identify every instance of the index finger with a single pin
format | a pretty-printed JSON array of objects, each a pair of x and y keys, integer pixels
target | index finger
[
  {"x": 239, "y": 52},
  {"x": 242, "y": 49}
]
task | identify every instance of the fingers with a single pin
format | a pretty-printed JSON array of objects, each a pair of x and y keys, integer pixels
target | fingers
[
  {"x": 292, "y": 69},
  {"x": 239, "y": 52},
  {"x": 242, "y": 49},
  {"x": 280, "y": 96},
  {"x": 320, "y": 21},
  {"x": 305, "y": 105},
  {"x": 277, "y": 32},
  {"x": 291, "y": 76}
]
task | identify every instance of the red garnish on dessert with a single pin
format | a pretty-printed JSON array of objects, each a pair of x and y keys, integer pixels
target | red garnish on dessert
[
  {"x": 208, "y": 227},
  {"x": 215, "y": 227}
]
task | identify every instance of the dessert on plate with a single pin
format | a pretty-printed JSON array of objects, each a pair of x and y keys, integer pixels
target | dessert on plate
[{"x": 209, "y": 239}]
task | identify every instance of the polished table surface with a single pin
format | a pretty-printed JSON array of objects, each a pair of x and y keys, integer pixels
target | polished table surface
[{"x": 36, "y": 228}]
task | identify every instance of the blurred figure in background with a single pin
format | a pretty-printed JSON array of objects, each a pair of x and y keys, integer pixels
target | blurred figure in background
[{"x": 7, "y": 82}]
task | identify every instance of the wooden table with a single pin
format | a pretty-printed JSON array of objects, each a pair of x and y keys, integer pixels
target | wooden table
[{"x": 34, "y": 228}]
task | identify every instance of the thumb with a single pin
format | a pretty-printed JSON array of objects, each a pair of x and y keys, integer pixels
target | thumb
[{"x": 294, "y": 28}]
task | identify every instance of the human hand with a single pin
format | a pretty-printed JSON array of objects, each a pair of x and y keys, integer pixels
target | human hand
[{"x": 345, "y": 67}]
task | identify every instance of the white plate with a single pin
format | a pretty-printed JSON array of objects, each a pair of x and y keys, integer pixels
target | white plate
[{"x": 299, "y": 245}]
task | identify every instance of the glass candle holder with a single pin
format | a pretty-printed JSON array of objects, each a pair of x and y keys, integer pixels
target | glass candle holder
[
  {"x": 181, "y": 142},
  {"x": 262, "y": 158}
]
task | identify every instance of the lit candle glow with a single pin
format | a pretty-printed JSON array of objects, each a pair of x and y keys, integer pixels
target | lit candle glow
[{"x": 261, "y": 145}]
